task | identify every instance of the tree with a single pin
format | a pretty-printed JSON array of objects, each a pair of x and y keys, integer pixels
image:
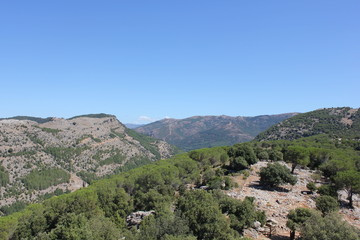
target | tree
[
  {"x": 238, "y": 163},
  {"x": 350, "y": 181},
  {"x": 245, "y": 151},
  {"x": 263, "y": 155},
  {"x": 275, "y": 174},
  {"x": 318, "y": 156},
  {"x": 326, "y": 204},
  {"x": 328, "y": 190},
  {"x": 297, "y": 156},
  {"x": 329, "y": 227},
  {"x": 296, "y": 218},
  {"x": 203, "y": 215},
  {"x": 276, "y": 155}
]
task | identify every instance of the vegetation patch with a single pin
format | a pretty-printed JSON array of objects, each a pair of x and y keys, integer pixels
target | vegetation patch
[
  {"x": 64, "y": 153},
  {"x": 4, "y": 177},
  {"x": 98, "y": 115},
  {"x": 145, "y": 141},
  {"x": 42, "y": 179}
]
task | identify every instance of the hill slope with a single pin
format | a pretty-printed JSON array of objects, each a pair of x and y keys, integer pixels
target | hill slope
[
  {"x": 209, "y": 131},
  {"x": 343, "y": 121},
  {"x": 41, "y": 157}
]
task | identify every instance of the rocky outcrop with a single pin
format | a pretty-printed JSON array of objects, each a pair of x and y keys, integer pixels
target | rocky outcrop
[{"x": 87, "y": 147}]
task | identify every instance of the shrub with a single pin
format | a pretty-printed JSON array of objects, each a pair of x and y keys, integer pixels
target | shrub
[
  {"x": 330, "y": 227},
  {"x": 326, "y": 204},
  {"x": 311, "y": 186},
  {"x": 275, "y": 174}
]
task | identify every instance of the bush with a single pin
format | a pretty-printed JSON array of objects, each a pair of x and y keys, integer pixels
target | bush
[
  {"x": 275, "y": 174},
  {"x": 326, "y": 204},
  {"x": 238, "y": 164},
  {"x": 296, "y": 218},
  {"x": 327, "y": 190},
  {"x": 311, "y": 186},
  {"x": 330, "y": 227}
]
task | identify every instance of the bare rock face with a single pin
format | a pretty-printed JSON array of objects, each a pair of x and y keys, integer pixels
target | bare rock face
[
  {"x": 86, "y": 147},
  {"x": 135, "y": 218}
]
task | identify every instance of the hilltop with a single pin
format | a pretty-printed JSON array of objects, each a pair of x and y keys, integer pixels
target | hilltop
[
  {"x": 40, "y": 157},
  {"x": 209, "y": 131},
  {"x": 336, "y": 122}
]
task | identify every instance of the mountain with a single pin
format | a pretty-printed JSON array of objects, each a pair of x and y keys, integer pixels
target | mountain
[
  {"x": 133, "y": 125},
  {"x": 209, "y": 131},
  {"x": 45, "y": 156},
  {"x": 342, "y": 121}
]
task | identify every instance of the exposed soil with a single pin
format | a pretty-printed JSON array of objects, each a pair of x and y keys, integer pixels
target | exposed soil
[{"x": 278, "y": 203}]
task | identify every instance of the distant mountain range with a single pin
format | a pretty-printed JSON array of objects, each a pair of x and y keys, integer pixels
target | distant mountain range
[
  {"x": 209, "y": 131},
  {"x": 133, "y": 125},
  {"x": 336, "y": 122},
  {"x": 45, "y": 155}
]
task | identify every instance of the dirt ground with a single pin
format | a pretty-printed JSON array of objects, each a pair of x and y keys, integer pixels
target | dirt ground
[{"x": 277, "y": 204}]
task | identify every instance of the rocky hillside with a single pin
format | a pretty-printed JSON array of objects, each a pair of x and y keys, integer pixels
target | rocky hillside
[
  {"x": 48, "y": 156},
  {"x": 338, "y": 122},
  {"x": 209, "y": 131}
]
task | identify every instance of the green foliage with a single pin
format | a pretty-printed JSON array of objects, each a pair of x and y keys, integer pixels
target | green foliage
[
  {"x": 99, "y": 211},
  {"x": 4, "y": 177},
  {"x": 50, "y": 130},
  {"x": 210, "y": 156},
  {"x": 165, "y": 227},
  {"x": 145, "y": 141},
  {"x": 87, "y": 136},
  {"x": 318, "y": 156},
  {"x": 117, "y": 158},
  {"x": 12, "y": 208},
  {"x": 245, "y": 151},
  {"x": 242, "y": 214},
  {"x": 323, "y": 121},
  {"x": 311, "y": 186},
  {"x": 42, "y": 179},
  {"x": 276, "y": 155},
  {"x": 296, "y": 218},
  {"x": 239, "y": 163},
  {"x": 326, "y": 204},
  {"x": 64, "y": 153},
  {"x": 88, "y": 177},
  {"x": 263, "y": 155},
  {"x": 328, "y": 190},
  {"x": 35, "y": 119},
  {"x": 350, "y": 181},
  {"x": 276, "y": 174},
  {"x": 329, "y": 227},
  {"x": 35, "y": 139},
  {"x": 97, "y": 115},
  {"x": 297, "y": 156},
  {"x": 22, "y": 153},
  {"x": 203, "y": 214}
]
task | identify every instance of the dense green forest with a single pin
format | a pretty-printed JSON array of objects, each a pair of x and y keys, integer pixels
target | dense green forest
[{"x": 180, "y": 207}]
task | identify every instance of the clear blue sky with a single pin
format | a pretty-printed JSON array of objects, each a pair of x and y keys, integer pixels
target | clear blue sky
[{"x": 156, "y": 59}]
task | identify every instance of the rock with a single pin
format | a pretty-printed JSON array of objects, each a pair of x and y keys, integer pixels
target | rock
[
  {"x": 272, "y": 222},
  {"x": 135, "y": 218},
  {"x": 257, "y": 225},
  {"x": 251, "y": 233}
]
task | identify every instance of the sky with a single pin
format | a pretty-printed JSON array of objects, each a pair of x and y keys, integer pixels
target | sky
[{"x": 147, "y": 60}]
